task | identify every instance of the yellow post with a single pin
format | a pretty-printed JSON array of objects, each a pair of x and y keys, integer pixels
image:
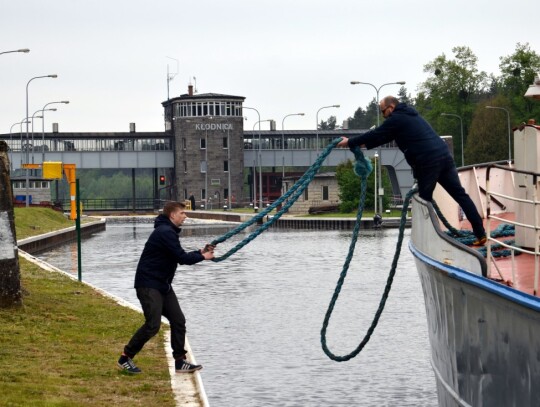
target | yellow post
[{"x": 69, "y": 170}]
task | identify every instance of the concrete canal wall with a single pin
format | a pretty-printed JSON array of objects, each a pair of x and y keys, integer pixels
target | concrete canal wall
[
  {"x": 45, "y": 241},
  {"x": 290, "y": 222}
]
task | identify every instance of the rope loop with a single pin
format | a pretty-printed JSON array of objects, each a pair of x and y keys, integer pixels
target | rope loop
[{"x": 343, "y": 274}]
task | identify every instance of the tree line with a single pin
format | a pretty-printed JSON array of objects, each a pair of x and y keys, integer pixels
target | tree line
[
  {"x": 455, "y": 86},
  {"x": 456, "y": 93}
]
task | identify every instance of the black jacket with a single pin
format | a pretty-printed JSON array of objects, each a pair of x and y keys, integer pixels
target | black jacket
[
  {"x": 412, "y": 134},
  {"x": 161, "y": 255}
]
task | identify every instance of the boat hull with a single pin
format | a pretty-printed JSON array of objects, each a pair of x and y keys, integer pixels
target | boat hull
[{"x": 485, "y": 337}]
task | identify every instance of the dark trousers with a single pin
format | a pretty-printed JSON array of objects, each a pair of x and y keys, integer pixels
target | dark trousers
[
  {"x": 444, "y": 172},
  {"x": 154, "y": 305}
]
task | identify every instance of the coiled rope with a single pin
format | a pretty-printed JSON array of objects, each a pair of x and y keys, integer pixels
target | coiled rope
[{"x": 467, "y": 236}]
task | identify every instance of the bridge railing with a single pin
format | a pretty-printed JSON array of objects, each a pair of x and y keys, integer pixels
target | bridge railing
[{"x": 116, "y": 204}]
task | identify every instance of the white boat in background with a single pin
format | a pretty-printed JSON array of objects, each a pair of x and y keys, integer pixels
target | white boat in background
[{"x": 483, "y": 313}]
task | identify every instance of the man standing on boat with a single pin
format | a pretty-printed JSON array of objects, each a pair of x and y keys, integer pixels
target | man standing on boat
[
  {"x": 161, "y": 255},
  {"x": 425, "y": 151}
]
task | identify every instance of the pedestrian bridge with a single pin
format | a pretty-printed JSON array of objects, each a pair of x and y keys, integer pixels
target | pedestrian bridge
[{"x": 266, "y": 149}]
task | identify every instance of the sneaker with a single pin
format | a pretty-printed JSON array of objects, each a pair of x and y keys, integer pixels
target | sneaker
[
  {"x": 480, "y": 242},
  {"x": 183, "y": 366},
  {"x": 126, "y": 364}
]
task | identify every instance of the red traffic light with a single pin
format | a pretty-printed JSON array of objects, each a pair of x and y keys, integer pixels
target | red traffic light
[{"x": 162, "y": 180}]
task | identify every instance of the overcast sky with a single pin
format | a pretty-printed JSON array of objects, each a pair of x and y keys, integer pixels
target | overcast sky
[{"x": 284, "y": 57}]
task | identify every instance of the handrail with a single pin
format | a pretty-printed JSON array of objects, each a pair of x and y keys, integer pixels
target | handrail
[{"x": 534, "y": 202}]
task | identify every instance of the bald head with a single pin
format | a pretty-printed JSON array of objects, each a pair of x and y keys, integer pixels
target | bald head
[
  {"x": 387, "y": 105},
  {"x": 390, "y": 100}
]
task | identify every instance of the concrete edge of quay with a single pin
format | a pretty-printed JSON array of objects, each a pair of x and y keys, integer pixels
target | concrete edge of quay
[
  {"x": 47, "y": 240},
  {"x": 295, "y": 222}
]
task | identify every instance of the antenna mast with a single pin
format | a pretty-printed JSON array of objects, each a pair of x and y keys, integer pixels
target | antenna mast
[{"x": 170, "y": 76}]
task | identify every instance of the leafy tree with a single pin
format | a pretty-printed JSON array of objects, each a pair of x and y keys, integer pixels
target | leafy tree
[
  {"x": 488, "y": 137},
  {"x": 350, "y": 187},
  {"x": 454, "y": 86},
  {"x": 517, "y": 73},
  {"x": 456, "y": 82},
  {"x": 111, "y": 184}
]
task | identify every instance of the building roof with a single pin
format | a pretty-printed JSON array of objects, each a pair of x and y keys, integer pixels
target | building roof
[{"x": 202, "y": 96}]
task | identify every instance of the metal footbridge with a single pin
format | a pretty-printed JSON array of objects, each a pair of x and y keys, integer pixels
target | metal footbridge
[{"x": 133, "y": 150}]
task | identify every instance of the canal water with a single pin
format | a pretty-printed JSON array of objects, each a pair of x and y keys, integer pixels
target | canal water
[{"x": 254, "y": 320}]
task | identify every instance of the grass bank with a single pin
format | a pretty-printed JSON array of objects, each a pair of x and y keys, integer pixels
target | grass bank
[
  {"x": 35, "y": 221},
  {"x": 60, "y": 348}
]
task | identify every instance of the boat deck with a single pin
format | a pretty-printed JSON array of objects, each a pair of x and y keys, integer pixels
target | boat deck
[{"x": 517, "y": 272}]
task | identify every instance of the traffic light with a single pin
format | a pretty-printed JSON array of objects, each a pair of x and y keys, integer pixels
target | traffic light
[{"x": 162, "y": 180}]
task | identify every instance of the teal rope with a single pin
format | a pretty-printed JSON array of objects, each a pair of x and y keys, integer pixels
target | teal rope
[
  {"x": 467, "y": 236},
  {"x": 294, "y": 193},
  {"x": 345, "y": 269}
]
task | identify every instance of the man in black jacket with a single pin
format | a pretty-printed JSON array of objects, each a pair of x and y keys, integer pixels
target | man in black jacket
[
  {"x": 427, "y": 154},
  {"x": 155, "y": 272}
]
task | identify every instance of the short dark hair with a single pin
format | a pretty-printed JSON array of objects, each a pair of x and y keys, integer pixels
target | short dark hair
[{"x": 172, "y": 206}]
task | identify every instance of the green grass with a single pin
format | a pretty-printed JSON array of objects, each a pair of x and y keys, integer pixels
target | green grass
[
  {"x": 35, "y": 221},
  {"x": 60, "y": 348}
]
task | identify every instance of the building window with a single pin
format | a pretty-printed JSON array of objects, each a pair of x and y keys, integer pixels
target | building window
[
  {"x": 325, "y": 193},
  {"x": 203, "y": 143},
  {"x": 226, "y": 193},
  {"x": 185, "y": 195},
  {"x": 225, "y": 142},
  {"x": 306, "y": 197},
  {"x": 184, "y": 145},
  {"x": 185, "y": 166},
  {"x": 226, "y": 166},
  {"x": 203, "y": 194},
  {"x": 203, "y": 166}
]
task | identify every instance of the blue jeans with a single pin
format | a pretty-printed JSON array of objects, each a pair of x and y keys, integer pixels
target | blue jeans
[{"x": 443, "y": 171}]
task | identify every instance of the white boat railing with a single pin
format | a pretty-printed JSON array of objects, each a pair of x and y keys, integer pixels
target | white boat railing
[{"x": 533, "y": 178}]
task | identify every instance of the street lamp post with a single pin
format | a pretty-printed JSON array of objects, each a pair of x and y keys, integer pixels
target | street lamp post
[
  {"x": 461, "y": 125},
  {"x": 11, "y": 142},
  {"x": 317, "y": 127},
  {"x": 27, "y": 153},
  {"x": 377, "y": 90},
  {"x": 25, "y": 50},
  {"x": 283, "y": 142},
  {"x": 259, "y": 158},
  {"x": 260, "y": 175},
  {"x": 375, "y": 175},
  {"x": 32, "y": 132},
  {"x": 509, "y": 129},
  {"x": 43, "y": 127}
]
